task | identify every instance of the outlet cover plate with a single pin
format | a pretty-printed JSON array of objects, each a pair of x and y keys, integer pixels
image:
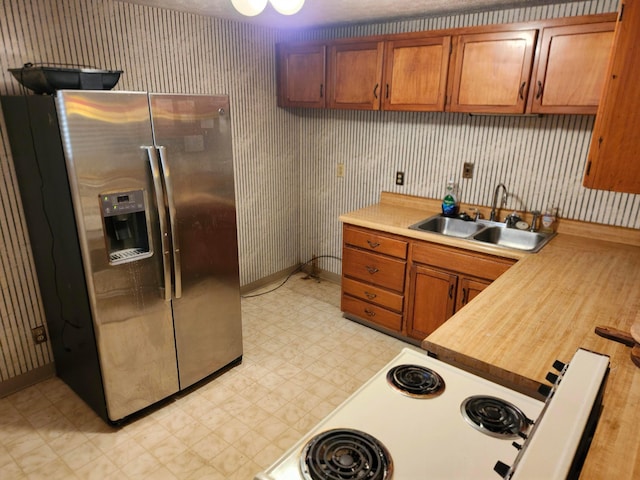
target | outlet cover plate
[
  {"x": 39, "y": 334},
  {"x": 467, "y": 170}
]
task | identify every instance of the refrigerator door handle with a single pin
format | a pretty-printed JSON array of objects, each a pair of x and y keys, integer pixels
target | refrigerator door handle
[
  {"x": 172, "y": 222},
  {"x": 162, "y": 217}
]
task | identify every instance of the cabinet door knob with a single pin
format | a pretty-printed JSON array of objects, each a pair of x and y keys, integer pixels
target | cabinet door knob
[
  {"x": 373, "y": 244},
  {"x": 371, "y": 269},
  {"x": 370, "y": 295},
  {"x": 369, "y": 312}
]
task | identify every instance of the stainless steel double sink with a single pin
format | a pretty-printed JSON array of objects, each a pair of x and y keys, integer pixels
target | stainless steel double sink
[{"x": 485, "y": 231}]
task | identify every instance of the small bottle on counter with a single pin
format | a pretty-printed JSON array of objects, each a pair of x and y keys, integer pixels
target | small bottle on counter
[
  {"x": 548, "y": 221},
  {"x": 450, "y": 200}
]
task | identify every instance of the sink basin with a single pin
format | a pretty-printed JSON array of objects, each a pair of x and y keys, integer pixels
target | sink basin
[
  {"x": 512, "y": 238},
  {"x": 452, "y": 227},
  {"x": 485, "y": 231}
]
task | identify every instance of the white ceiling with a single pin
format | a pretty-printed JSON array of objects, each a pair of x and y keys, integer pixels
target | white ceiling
[{"x": 333, "y": 12}]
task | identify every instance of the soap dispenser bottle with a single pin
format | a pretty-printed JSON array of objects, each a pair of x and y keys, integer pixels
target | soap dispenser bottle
[
  {"x": 450, "y": 201},
  {"x": 549, "y": 218}
]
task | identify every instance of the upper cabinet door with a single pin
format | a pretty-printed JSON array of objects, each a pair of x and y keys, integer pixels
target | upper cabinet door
[
  {"x": 571, "y": 67},
  {"x": 302, "y": 76},
  {"x": 416, "y": 74},
  {"x": 355, "y": 75},
  {"x": 613, "y": 162},
  {"x": 492, "y": 70}
]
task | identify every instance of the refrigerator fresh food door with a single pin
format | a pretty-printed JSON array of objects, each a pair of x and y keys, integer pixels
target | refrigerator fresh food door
[
  {"x": 193, "y": 137},
  {"x": 103, "y": 133}
]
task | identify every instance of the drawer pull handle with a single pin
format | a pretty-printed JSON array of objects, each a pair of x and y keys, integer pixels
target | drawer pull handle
[
  {"x": 369, "y": 312},
  {"x": 373, "y": 244},
  {"x": 521, "y": 91},
  {"x": 465, "y": 296},
  {"x": 371, "y": 270},
  {"x": 451, "y": 291},
  {"x": 370, "y": 295}
]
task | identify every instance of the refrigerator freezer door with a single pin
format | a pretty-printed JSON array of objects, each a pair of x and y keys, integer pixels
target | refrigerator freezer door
[
  {"x": 193, "y": 135},
  {"x": 102, "y": 134}
]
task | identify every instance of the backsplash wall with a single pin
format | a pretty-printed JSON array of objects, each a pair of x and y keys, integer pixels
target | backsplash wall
[{"x": 539, "y": 159}]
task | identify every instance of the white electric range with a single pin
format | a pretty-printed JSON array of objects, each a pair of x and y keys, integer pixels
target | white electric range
[{"x": 420, "y": 418}]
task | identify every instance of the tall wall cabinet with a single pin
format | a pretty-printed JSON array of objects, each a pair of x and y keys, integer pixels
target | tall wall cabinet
[{"x": 614, "y": 163}]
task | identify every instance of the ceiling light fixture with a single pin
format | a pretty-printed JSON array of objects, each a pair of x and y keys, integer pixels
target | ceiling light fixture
[
  {"x": 287, "y": 7},
  {"x": 251, "y": 8}
]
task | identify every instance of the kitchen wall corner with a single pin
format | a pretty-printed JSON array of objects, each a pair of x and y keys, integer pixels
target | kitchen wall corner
[
  {"x": 540, "y": 159},
  {"x": 162, "y": 51},
  {"x": 287, "y": 192}
]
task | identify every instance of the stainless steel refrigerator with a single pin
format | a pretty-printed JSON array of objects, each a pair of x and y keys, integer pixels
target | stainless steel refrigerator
[{"x": 129, "y": 201}]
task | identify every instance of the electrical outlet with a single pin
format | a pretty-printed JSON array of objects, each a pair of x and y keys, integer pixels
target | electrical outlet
[
  {"x": 340, "y": 170},
  {"x": 467, "y": 170},
  {"x": 399, "y": 178},
  {"x": 39, "y": 334}
]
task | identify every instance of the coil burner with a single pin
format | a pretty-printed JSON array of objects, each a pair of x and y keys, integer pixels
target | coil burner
[
  {"x": 345, "y": 454},
  {"x": 494, "y": 416},
  {"x": 415, "y": 381}
]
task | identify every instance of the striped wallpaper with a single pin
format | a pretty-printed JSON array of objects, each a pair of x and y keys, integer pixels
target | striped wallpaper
[
  {"x": 162, "y": 51},
  {"x": 539, "y": 159},
  {"x": 287, "y": 193}
]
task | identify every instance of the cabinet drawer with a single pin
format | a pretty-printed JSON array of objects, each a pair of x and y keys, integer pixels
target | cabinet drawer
[
  {"x": 475, "y": 264},
  {"x": 372, "y": 294},
  {"x": 372, "y": 313},
  {"x": 374, "y": 242},
  {"x": 375, "y": 269}
]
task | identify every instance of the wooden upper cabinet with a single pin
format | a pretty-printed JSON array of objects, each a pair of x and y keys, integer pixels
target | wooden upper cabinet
[
  {"x": 355, "y": 75},
  {"x": 492, "y": 71},
  {"x": 416, "y": 74},
  {"x": 570, "y": 68},
  {"x": 552, "y": 66},
  {"x": 302, "y": 76},
  {"x": 614, "y": 161}
]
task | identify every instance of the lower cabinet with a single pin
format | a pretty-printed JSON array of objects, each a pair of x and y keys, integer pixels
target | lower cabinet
[
  {"x": 442, "y": 280},
  {"x": 408, "y": 287},
  {"x": 433, "y": 300},
  {"x": 373, "y": 277}
]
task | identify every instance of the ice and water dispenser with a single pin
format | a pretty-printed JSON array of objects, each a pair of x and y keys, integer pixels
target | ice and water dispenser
[{"x": 126, "y": 227}]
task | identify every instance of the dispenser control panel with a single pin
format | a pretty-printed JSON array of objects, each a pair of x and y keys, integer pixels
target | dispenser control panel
[
  {"x": 122, "y": 202},
  {"x": 126, "y": 226}
]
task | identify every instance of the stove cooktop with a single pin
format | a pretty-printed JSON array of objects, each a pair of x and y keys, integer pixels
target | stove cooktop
[{"x": 426, "y": 436}]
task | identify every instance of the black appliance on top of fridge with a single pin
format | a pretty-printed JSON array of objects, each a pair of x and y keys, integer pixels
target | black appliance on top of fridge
[{"x": 130, "y": 205}]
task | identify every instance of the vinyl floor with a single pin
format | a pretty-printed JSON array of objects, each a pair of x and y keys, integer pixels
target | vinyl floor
[{"x": 301, "y": 360}]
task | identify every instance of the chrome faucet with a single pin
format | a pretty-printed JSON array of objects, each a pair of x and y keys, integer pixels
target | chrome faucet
[
  {"x": 534, "y": 221},
  {"x": 492, "y": 217}
]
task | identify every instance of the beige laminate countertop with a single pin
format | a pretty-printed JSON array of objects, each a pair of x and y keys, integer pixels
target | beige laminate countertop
[{"x": 544, "y": 308}]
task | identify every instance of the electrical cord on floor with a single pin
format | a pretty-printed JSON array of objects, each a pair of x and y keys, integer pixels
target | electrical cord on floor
[{"x": 296, "y": 270}]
